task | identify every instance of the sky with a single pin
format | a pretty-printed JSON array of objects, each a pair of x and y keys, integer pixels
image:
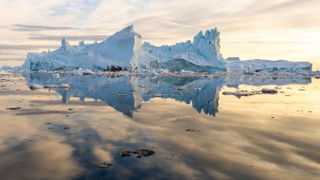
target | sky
[{"x": 273, "y": 29}]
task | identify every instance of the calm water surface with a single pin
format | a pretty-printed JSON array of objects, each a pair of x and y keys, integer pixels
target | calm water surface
[{"x": 194, "y": 131}]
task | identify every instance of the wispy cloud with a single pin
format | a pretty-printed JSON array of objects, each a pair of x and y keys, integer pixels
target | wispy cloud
[
  {"x": 25, "y": 47},
  {"x": 12, "y": 58},
  {"x": 83, "y": 38},
  {"x": 23, "y": 27},
  {"x": 71, "y": 38}
]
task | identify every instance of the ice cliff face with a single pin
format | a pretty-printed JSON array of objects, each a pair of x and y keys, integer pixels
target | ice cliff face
[
  {"x": 203, "y": 54},
  {"x": 115, "y": 53},
  {"x": 124, "y": 51}
]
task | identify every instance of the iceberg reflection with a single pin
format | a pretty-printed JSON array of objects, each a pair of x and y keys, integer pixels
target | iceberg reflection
[{"x": 126, "y": 93}]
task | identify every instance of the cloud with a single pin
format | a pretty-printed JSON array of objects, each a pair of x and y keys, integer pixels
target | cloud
[
  {"x": 12, "y": 58},
  {"x": 71, "y": 38},
  {"x": 82, "y": 38},
  {"x": 22, "y": 27},
  {"x": 24, "y": 47},
  {"x": 170, "y": 21}
]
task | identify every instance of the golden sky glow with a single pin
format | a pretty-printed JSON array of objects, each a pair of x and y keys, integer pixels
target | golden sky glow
[{"x": 275, "y": 29}]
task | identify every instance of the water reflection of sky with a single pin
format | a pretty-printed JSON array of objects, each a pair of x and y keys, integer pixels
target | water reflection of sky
[
  {"x": 243, "y": 141},
  {"x": 125, "y": 94}
]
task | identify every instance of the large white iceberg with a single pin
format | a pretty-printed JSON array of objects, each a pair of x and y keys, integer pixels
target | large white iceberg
[
  {"x": 124, "y": 51},
  {"x": 116, "y": 52}
]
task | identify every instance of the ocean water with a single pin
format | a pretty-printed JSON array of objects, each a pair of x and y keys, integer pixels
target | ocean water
[{"x": 165, "y": 127}]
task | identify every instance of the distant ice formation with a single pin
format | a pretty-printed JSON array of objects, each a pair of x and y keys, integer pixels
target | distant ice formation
[{"x": 235, "y": 65}]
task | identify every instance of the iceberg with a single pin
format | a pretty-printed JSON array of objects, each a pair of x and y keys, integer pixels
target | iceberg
[
  {"x": 201, "y": 55},
  {"x": 9, "y": 68},
  {"x": 261, "y": 66},
  {"x": 124, "y": 50},
  {"x": 117, "y": 52}
]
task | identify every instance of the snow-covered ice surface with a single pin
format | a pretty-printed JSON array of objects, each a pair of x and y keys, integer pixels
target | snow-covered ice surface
[
  {"x": 125, "y": 51},
  {"x": 117, "y": 51}
]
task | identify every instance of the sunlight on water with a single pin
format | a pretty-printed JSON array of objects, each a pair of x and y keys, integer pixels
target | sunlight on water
[{"x": 100, "y": 126}]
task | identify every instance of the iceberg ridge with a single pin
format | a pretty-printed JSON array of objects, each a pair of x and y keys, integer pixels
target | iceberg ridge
[{"x": 124, "y": 51}]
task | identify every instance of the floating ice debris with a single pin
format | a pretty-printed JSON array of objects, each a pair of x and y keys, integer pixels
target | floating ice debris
[
  {"x": 316, "y": 74},
  {"x": 88, "y": 73},
  {"x": 105, "y": 165},
  {"x": 65, "y": 86},
  {"x": 182, "y": 89},
  {"x": 52, "y": 128},
  {"x": 192, "y": 130},
  {"x": 50, "y": 86},
  {"x": 14, "y": 108},
  {"x": 138, "y": 154},
  {"x": 56, "y": 75},
  {"x": 269, "y": 91},
  {"x": 35, "y": 86},
  {"x": 240, "y": 93},
  {"x": 122, "y": 94}
]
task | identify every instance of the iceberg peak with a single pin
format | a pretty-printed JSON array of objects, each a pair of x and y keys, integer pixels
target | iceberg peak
[
  {"x": 126, "y": 32},
  {"x": 203, "y": 54},
  {"x": 64, "y": 44},
  {"x": 124, "y": 51}
]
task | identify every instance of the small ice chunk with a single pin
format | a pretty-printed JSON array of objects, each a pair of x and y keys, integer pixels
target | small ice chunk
[
  {"x": 240, "y": 93},
  {"x": 50, "y": 86},
  {"x": 35, "y": 86},
  {"x": 269, "y": 91},
  {"x": 65, "y": 86}
]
